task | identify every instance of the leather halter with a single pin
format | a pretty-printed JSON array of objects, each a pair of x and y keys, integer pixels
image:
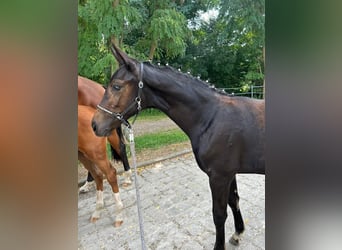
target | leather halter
[{"x": 137, "y": 101}]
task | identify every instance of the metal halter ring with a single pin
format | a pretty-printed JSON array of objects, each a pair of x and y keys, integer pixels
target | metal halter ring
[{"x": 140, "y": 84}]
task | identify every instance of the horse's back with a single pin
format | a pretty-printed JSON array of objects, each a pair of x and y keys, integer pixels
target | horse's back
[
  {"x": 244, "y": 113},
  {"x": 90, "y": 93},
  {"x": 236, "y": 135},
  {"x": 252, "y": 128}
]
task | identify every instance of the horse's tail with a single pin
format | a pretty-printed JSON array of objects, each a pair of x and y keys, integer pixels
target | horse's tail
[
  {"x": 122, "y": 154},
  {"x": 115, "y": 155}
]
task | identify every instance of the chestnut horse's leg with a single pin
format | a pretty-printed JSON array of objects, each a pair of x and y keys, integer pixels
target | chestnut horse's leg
[
  {"x": 220, "y": 188},
  {"x": 110, "y": 173},
  {"x": 98, "y": 177},
  {"x": 234, "y": 205}
]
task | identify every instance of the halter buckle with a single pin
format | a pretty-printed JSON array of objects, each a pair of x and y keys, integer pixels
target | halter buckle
[{"x": 138, "y": 101}]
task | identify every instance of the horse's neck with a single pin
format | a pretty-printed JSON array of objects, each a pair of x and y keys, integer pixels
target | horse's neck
[{"x": 185, "y": 103}]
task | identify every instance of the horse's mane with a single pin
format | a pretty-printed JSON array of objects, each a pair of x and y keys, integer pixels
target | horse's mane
[{"x": 189, "y": 78}]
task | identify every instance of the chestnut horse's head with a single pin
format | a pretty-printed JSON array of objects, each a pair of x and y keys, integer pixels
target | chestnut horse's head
[{"x": 122, "y": 98}]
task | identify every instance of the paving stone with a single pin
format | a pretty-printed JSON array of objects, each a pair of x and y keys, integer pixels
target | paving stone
[{"x": 176, "y": 209}]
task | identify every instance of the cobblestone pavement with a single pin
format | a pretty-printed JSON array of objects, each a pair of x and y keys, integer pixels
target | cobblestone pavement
[{"x": 176, "y": 209}]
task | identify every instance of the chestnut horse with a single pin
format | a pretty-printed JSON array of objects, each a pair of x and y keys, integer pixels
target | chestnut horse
[
  {"x": 227, "y": 133},
  {"x": 92, "y": 154},
  {"x": 90, "y": 94}
]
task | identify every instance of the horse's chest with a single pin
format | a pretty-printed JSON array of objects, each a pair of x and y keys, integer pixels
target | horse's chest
[{"x": 215, "y": 152}]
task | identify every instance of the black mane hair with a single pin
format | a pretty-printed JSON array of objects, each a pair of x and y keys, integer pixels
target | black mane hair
[{"x": 188, "y": 76}]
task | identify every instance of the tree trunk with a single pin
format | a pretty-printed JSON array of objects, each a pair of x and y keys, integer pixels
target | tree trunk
[
  {"x": 116, "y": 3},
  {"x": 152, "y": 50},
  {"x": 113, "y": 38}
]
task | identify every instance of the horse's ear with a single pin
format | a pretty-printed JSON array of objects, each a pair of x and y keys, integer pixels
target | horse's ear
[
  {"x": 123, "y": 58},
  {"x": 117, "y": 54},
  {"x": 120, "y": 56}
]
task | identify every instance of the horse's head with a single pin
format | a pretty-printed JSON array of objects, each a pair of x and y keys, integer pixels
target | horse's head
[{"x": 121, "y": 99}]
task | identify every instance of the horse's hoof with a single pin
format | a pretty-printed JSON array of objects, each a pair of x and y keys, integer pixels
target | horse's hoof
[
  {"x": 126, "y": 184},
  {"x": 234, "y": 240},
  {"x": 93, "y": 219},
  {"x": 86, "y": 187},
  {"x": 118, "y": 223},
  {"x": 220, "y": 247}
]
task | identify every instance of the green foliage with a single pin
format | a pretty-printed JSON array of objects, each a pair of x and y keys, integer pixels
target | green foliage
[
  {"x": 98, "y": 23},
  {"x": 227, "y": 50},
  {"x": 247, "y": 18},
  {"x": 168, "y": 28}
]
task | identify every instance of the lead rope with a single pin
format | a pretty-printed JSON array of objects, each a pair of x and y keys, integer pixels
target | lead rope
[{"x": 141, "y": 222}]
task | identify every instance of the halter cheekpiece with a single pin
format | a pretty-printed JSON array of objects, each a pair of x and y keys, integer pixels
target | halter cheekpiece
[{"x": 137, "y": 101}]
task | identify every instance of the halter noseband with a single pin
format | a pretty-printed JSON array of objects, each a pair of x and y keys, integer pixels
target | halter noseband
[{"x": 137, "y": 100}]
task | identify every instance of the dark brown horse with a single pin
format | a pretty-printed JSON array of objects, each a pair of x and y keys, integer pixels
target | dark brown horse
[
  {"x": 90, "y": 94},
  {"x": 227, "y": 133},
  {"x": 92, "y": 153}
]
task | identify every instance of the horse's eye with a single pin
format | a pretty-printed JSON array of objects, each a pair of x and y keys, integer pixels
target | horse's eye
[{"x": 116, "y": 87}]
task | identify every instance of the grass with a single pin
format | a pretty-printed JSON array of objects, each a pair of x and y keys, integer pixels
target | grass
[
  {"x": 149, "y": 114},
  {"x": 154, "y": 140},
  {"x": 159, "y": 139}
]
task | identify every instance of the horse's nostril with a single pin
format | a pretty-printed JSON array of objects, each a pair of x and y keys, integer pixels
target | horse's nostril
[{"x": 93, "y": 125}]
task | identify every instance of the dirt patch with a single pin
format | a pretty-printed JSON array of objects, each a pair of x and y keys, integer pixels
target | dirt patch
[{"x": 153, "y": 126}]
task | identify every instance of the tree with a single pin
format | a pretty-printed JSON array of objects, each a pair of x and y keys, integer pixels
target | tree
[
  {"x": 248, "y": 18},
  {"x": 165, "y": 31},
  {"x": 227, "y": 50},
  {"x": 145, "y": 29},
  {"x": 99, "y": 24}
]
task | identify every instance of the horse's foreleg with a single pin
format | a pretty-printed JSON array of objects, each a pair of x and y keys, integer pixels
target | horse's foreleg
[
  {"x": 127, "y": 178},
  {"x": 112, "y": 179},
  {"x": 98, "y": 177},
  {"x": 99, "y": 206},
  {"x": 234, "y": 205},
  {"x": 118, "y": 210},
  {"x": 220, "y": 192},
  {"x": 128, "y": 173},
  {"x": 99, "y": 194}
]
